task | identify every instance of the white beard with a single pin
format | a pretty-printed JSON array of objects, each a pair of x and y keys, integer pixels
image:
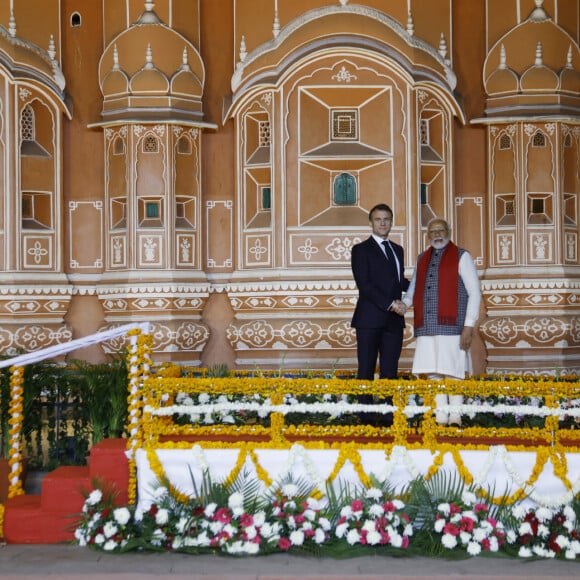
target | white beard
[{"x": 439, "y": 243}]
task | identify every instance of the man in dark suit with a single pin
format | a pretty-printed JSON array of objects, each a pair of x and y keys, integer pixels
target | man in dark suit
[{"x": 378, "y": 270}]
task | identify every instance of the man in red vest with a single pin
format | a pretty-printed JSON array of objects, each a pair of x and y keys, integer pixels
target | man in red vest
[{"x": 445, "y": 295}]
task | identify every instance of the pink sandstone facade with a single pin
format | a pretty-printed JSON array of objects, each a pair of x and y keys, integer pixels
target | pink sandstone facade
[{"x": 207, "y": 165}]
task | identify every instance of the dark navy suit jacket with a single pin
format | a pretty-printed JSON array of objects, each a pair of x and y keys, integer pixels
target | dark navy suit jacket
[{"x": 378, "y": 285}]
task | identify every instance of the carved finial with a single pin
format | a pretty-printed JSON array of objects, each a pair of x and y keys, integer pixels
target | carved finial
[
  {"x": 539, "y": 55},
  {"x": 410, "y": 24},
  {"x": 149, "y": 5},
  {"x": 538, "y": 14},
  {"x": 442, "y": 46},
  {"x": 12, "y": 24},
  {"x": 502, "y": 58},
  {"x": 51, "y": 47},
  {"x": 184, "y": 57},
  {"x": 343, "y": 2},
  {"x": 276, "y": 26},
  {"x": 569, "y": 58},
  {"x": 243, "y": 51},
  {"x": 149, "y": 57},
  {"x": 115, "y": 58}
]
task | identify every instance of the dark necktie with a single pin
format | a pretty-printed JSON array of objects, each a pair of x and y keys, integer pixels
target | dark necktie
[{"x": 391, "y": 257}]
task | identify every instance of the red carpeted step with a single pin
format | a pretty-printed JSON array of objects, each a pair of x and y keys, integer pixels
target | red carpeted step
[
  {"x": 63, "y": 489},
  {"x": 109, "y": 463},
  {"x": 25, "y": 522}
]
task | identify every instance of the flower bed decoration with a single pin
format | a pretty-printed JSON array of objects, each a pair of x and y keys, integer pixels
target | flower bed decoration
[{"x": 442, "y": 517}]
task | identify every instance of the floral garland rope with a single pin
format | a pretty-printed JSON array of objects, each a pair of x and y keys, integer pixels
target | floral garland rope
[
  {"x": 139, "y": 363},
  {"x": 15, "y": 412}
]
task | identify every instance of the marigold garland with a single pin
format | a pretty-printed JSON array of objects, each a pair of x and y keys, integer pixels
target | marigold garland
[
  {"x": 15, "y": 412},
  {"x": 139, "y": 364}
]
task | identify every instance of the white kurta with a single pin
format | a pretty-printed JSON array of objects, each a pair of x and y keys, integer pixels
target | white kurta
[{"x": 441, "y": 354}]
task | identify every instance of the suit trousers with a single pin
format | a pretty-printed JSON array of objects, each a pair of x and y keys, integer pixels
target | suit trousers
[{"x": 384, "y": 343}]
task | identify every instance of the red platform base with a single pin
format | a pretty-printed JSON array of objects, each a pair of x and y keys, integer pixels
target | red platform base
[{"x": 49, "y": 518}]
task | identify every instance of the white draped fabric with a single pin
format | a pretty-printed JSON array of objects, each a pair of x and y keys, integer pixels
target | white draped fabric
[{"x": 497, "y": 469}]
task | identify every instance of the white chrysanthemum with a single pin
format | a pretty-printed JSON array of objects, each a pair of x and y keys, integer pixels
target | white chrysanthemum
[
  {"x": 353, "y": 537},
  {"x": 94, "y": 497},
  {"x": 203, "y": 398},
  {"x": 575, "y": 546},
  {"x": 346, "y": 511},
  {"x": 324, "y": 523},
  {"x": 544, "y": 514},
  {"x": 122, "y": 515},
  {"x": 181, "y": 525},
  {"x": 310, "y": 515},
  {"x": 468, "y": 498},
  {"x": 374, "y": 493},
  {"x": 110, "y": 529},
  {"x": 376, "y": 510},
  {"x": 373, "y": 538},
  {"x": 569, "y": 513},
  {"x": 319, "y": 536},
  {"x": 540, "y": 551},
  {"x": 439, "y": 525},
  {"x": 251, "y": 532},
  {"x": 398, "y": 504},
  {"x": 562, "y": 541},
  {"x": 511, "y": 537},
  {"x": 524, "y": 552},
  {"x": 203, "y": 539},
  {"x": 291, "y": 522},
  {"x": 524, "y": 529},
  {"x": 267, "y": 530},
  {"x": 396, "y": 540},
  {"x": 209, "y": 510},
  {"x": 444, "y": 508},
  {"x": 252, "y": 548},
  {"x": 543, "y": 531},
  {"x": 290, "y": 490},
  {"x": 449, "y": 541},
  {"x": 230, "y": 530},
  {"x": 215, "y": 527},
  {"x": 160, "y": 492},
  {"x": 259, "y": 518},
  {"x": 296, "y": 537},
  {"x": 162, "y": 517},
  {"x": 570, "y": 555},
  {"x": 313, "y": 504},
  {"x": 368, "y": 526},
  {"x": 139, "y": 512},
  {"x": 235, "y": 500},
  {"x": 479, "y": 534},
  {"x": 493, "y": 544},
  {"x": 519, "y": 511},
  {"x": 473, "y": 549},
  {"x": 177, "y": 542},
  {"x": 464, "y": 538},
  {"x": 228, "y": 419},
  {"x": 408, "y": 531},
  {"x": 100, "y": 539},
  {"x": 110, "y": 545},
  {"x": 340, "y": 530}
]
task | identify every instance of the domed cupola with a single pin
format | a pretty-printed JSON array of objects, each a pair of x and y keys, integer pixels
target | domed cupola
[
  {"x": 149, "y": 80},
  {"x": 533, "y": 70},
  {"x": 149, "y": 72}
]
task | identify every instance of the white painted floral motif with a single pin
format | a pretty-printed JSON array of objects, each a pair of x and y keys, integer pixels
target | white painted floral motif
[
  {"x": 340, "y": 249},
  {"x": 343, "y": 75},
  {"x": 37, "y": 252},
  {"x": 150, "y": 250},
  {"x": 307, "y": 249},
  {"x": 257, "y": 250}
]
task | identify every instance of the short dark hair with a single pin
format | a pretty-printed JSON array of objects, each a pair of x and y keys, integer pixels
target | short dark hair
[{"x": 380, "y": 207}]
